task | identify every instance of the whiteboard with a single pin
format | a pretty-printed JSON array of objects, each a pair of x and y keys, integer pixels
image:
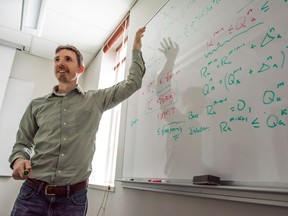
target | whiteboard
[
  {"x": 17, "y": 97},
  {"x": 214, "y": 100}
]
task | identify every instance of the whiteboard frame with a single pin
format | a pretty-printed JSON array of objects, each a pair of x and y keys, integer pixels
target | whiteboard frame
[
  {"x": 228, "y": 185},
  {"x": 276, "y": 196}
]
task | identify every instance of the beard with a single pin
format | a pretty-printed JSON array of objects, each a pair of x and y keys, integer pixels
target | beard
[
  {"x": 62, "y": 78},
  {"x": 65, "y": 77}
]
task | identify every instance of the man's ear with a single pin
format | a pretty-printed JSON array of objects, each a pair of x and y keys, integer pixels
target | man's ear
[{"x": 81, "y": 69}]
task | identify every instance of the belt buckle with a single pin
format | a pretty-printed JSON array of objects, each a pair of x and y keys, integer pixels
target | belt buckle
[{"x": 46, "y": 190}]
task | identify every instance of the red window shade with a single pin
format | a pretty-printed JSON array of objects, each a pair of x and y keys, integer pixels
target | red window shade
[
  {"x": 118, "y": 65},
  {"x": 117, "y": 33},
  {"x": 120, "y": 46}
]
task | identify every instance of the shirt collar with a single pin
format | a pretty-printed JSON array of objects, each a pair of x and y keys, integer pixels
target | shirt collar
[{"x": 54, "y": 91}]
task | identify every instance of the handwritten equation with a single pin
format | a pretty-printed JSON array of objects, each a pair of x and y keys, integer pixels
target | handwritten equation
[{"x": 242, "y": 73}]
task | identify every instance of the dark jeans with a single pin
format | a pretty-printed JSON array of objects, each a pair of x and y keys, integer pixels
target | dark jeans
[{"x": 32, "y": 201}]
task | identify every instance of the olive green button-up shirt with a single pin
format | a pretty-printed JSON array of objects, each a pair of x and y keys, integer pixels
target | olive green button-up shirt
[{"x": 57, "y": 133}]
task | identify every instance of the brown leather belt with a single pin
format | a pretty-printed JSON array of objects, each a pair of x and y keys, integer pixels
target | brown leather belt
[{"x": 54, "y": 190}]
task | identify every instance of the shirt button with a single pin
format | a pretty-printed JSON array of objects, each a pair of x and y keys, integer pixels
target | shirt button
[
  {"x": 64, "y": 123},
  {"x": 59, "y": 171},
  {"x": 62, "y": 155},
  {"x": 64, "y": 138},
  {"x": 65, "y": 109}
]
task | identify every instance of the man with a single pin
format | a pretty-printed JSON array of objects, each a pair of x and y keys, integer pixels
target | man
[{"x": 55, "y": 142}]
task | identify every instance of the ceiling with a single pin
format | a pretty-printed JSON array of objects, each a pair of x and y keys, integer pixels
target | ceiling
[{"x": 86, "y": 24}]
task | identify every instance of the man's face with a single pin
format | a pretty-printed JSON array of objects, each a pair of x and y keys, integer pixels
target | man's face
[{"x": 66, "y": 67}]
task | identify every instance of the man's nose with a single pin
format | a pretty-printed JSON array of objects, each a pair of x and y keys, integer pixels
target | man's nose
[{"x": 60, "y": 62}]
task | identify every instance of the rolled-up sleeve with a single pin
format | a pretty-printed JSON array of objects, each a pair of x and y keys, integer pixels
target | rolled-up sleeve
[{"x": 23, "y": 147}]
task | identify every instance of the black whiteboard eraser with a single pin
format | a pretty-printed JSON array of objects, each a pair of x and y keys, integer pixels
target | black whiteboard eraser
[{"x": 206, "y": 180}]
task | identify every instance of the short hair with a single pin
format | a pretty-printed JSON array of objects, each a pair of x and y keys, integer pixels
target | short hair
[{"x": 73, "y": 49}]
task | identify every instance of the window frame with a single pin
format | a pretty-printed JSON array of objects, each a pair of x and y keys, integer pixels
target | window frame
[{"x": 107, "y": 179}]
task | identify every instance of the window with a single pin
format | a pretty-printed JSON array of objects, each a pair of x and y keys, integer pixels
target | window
[{"x": 104, "y": 161}]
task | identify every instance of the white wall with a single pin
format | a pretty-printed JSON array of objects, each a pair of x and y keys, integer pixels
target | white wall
[
  {"x": 8, "y": 54},
  {"x": 32, "y": 68},
  {"x": 129, "y": 202},
  {"x": 29, "y": 68}
]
